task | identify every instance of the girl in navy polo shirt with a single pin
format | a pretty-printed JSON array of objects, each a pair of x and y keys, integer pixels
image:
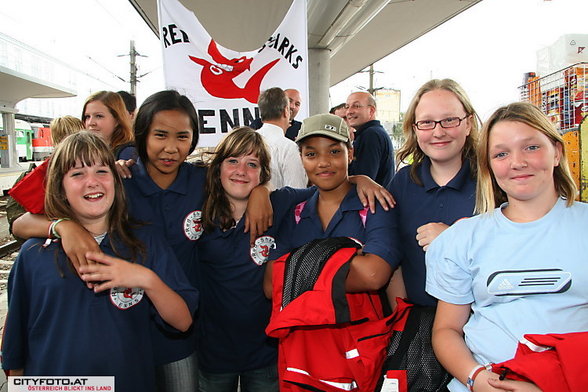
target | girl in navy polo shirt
[
  {"x": 439, "y": 186},
  {"x": 436, "y": 190},
  {"x": 334, "y": 208},
  {"x": 168, "y": 192},
  {"x": 233, "y": 348},
  {"x": 57, "y": 325}
]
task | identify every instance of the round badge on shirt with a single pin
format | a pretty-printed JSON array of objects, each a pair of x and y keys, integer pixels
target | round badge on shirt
[
  {"x": 193, "y": 225},
  {"x": 125, "y": 298},
  {"x": 261, "y": 249}
]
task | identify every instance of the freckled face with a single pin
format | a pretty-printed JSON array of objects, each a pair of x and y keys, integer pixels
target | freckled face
[
  {"x": 89, "y": 191},
  {"x": 239, "y": 175},
  {"x": 441, "y": 145},
  {"x": 522, "y": 160}
]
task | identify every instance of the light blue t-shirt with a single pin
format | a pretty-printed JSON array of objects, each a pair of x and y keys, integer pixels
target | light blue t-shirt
[{"x": 519, "y": 278}]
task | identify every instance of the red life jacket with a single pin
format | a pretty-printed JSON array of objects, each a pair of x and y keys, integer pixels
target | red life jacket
[
  {"x": 329, "y": 340},
  {"x": 30, "y": 191},
  {"x": 553, "y": 362}
]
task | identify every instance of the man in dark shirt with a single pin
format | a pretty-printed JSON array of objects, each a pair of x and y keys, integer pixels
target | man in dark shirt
[{"x": 373, "y": 154}]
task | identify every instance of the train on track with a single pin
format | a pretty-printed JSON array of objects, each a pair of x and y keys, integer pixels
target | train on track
[{"x": 33, "y": 138}]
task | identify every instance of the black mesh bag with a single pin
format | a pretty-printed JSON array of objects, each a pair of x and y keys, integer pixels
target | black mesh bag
[{"x": 411, "y": 350}]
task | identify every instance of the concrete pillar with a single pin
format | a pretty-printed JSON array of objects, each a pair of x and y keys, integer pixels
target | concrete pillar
[
  {"x": 8, "y": 154},
  {"x": 319, "y": 77}
]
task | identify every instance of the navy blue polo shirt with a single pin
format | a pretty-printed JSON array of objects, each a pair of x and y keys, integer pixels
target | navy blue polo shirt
[
  {"x": 234, "y": 310},
  {"x": 126, "y": 151},
  {"x": 58, "y": 327},
  {"x": 373, "y": 154},
  {"x": 375, "y": 236},
  {"x": 417, "y": 205},
  {"x": 175, "y": 213}
]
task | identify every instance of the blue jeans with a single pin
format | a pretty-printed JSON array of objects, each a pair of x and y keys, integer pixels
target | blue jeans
[
  {"x": 258, "y": 380},
  {"x": 178, "y": 376}
]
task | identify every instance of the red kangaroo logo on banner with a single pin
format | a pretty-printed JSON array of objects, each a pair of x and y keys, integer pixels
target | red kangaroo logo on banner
[{"x": 217, "y": 79}]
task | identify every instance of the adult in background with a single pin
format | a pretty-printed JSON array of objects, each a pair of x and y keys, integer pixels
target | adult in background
[
  {"x": 373, "y": 154},
  {"x": 295, "y": 102},
  {"x": 286, "y": 166},
  {"x": 340, "y": 111}
]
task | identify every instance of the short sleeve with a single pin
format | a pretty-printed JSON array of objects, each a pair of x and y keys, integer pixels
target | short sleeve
[
  {"x": 449, "y": 278},
  {"x": 381, "y": 236}
]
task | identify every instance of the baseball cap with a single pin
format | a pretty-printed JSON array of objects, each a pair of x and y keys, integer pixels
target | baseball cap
[{"x": 327, "y": 125}]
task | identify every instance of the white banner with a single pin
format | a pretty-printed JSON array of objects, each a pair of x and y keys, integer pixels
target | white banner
[{"x": 224, "y": 84}]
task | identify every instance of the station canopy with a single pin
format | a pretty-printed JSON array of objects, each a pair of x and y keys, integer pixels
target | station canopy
[
  {"x": 357, "y": 32},
  {"x": 17, "y": 86}
]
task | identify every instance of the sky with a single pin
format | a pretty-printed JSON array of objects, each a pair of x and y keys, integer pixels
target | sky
[{"x": 487, "y": 48}]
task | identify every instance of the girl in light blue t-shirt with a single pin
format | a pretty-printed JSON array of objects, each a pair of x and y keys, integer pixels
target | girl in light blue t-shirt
[{"x": 529, "y": 230}]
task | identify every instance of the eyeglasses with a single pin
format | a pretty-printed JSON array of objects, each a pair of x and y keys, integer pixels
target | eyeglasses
[
  {"x": 355, "y": 106},
  {"x": 449, "y": 122}
]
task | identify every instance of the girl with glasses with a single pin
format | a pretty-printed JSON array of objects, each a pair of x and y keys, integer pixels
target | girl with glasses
[{"x": 436, "y": 189}]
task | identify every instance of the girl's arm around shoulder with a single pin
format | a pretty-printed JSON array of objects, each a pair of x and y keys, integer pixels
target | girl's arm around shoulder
[
  {"x": 31, "y": 225},
  {"x": 114, "y": 272},
  {"x": 259, "y": 214},
  {"x": 76, "y": 240},
  {"x": 371, "y": 193},
  {"x": 382, "y": 237}
]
